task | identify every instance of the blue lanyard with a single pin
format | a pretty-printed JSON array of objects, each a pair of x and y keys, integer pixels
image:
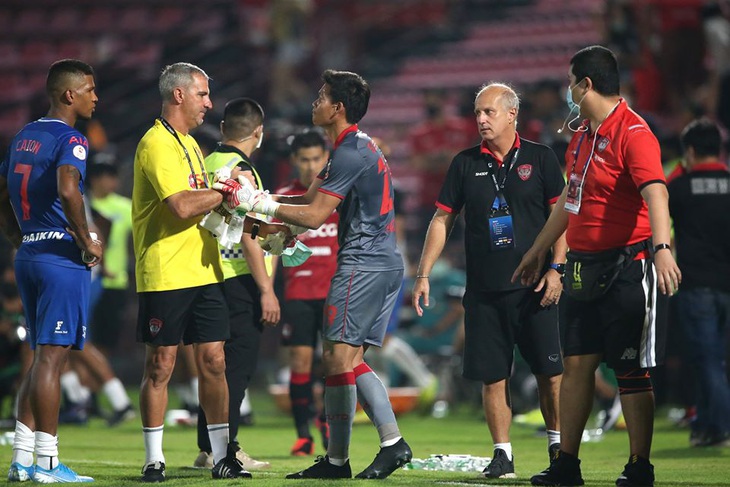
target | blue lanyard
[{"x": 500, "y": 203}]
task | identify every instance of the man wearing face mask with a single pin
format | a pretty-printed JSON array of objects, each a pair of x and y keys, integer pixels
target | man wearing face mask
[
  {"x": 615, "y": 212},
  {"x": 248, "y": 289},
  {"x": 506, "y": 188}
]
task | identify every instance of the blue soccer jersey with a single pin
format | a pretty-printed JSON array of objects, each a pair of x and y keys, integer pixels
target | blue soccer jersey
[
  {"x": 359, "y": 175},
  {"x": 30, "y": 169},
  {"x": 52, "y": 279}
]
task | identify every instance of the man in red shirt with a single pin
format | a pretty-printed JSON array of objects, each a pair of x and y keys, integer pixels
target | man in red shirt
[
  {"x": 615, "y": 211},
  {"x": 305, "y": 291}
]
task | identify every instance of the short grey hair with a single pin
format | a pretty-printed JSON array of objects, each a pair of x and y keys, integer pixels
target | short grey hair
[
  {"x": 508, "y": 96},
  {"x": 178, "y": 75}
]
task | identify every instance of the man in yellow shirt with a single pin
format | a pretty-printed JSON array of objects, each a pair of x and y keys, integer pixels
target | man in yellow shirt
[{"x": 179, "y": 273}]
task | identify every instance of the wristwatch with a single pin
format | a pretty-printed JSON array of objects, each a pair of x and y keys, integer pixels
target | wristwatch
[{"x": 558, "y": 267}]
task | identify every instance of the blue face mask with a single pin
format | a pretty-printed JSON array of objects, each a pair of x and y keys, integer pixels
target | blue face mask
[
  {"x": 569, "y": 99},
  {"x": 295, "y": 255},
  {"x": 573, "y": 108}
]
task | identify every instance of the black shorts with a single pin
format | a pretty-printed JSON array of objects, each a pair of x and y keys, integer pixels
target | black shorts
[
  {"x": 627, "y": 325},
  {"x": 244, "y": 304},
  {"x": 242, "y": 348},
  {"x": 495, "y": 322},
  {"x": 109, "y": 314},
  {"x": 193, "y": 315},
  {"x": 302, "y": 322}
]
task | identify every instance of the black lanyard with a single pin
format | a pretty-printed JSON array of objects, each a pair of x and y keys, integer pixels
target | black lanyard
[
  {"x": 499, "y": 201},
  {"x": 172, "y": 131}
]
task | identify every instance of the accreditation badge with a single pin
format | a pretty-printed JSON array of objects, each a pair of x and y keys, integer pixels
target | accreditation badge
[
  {"x": 501, "y": 232},
  {"x": 575, "y": 193}
]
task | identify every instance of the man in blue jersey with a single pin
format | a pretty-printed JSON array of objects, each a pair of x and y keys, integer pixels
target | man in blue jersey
[
  {"x": 357, "y": 182},
  {"x": 42, "y": 213}
]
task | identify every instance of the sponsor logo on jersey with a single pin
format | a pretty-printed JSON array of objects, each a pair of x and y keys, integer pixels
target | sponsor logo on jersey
[
  {"x": 325, "y": 230},
  {"x": 483, "y": 173},
  {"x": 79, "y": 152},
  {"x": 155, "y": 326},
  {"x": 38, "y": 236},
  {"x": 524, "y": 171},
  {"x": 78, "y": 140},
  {"x": 319, "y": 251}
]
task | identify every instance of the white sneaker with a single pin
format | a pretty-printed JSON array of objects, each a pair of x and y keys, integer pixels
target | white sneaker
[
  {"x": 250, "y": 463},
  {"x": 204, "y": 460}
]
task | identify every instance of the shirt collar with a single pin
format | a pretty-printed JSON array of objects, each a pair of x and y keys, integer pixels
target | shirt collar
[
  {"x": 613, "y": 118},
  {"x": 352, "y": 128},
  {"x": 485, "y": 150}
]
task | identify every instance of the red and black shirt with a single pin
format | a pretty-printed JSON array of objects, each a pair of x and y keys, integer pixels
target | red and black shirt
[
  {"x": 311, "y": 280},
  {"x": 533, "y": 183}
]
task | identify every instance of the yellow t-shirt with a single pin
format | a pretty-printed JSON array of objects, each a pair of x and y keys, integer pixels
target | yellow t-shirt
[{"x": 171, "y": 253}]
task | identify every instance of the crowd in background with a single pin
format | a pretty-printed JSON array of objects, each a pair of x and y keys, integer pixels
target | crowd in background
[{"x": 674, "y": 56}]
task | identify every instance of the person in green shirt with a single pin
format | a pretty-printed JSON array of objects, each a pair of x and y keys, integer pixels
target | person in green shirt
[{"x": 103, "y": 182}]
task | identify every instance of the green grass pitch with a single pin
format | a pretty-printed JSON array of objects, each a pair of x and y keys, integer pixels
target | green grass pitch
[{"x": 114, "y": 456}]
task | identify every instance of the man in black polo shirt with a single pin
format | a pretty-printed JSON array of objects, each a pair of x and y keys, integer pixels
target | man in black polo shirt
[
  {"x": 506, "y": 188},
  {"x": 698, "y": 203}
]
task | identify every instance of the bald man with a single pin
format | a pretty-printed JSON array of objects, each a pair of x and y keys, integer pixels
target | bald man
[{"x": 506, "y": 188}]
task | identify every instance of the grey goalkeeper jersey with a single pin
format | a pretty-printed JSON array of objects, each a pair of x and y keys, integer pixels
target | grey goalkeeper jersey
[{"x": 358, "y": 174}]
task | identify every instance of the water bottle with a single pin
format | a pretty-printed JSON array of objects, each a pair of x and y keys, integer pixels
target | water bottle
[{"x": 449, "y": 463}]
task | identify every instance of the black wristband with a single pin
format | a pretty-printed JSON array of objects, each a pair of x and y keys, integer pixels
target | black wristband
[
  {"x": 255, "y": 230},
  {"x": 661, "y": 246}
]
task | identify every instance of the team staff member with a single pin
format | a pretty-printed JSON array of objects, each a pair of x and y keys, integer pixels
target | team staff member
[
  {"x": 702, "y": 235},
  {"x": 305, "y": 290},
  {"x": 356, "y": 181},
  {"x": 248, "y": 289},
  {"x": 507, "y": 187},
  {"x": 42, "y": 213},
  {"x": 616, "y": 200},
  {"x": 178, "y": 268}
]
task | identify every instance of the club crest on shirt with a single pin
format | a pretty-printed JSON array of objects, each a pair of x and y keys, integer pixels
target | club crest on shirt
[
  {"x": 155, "y": 326},
  {"x": 524, "y": 171},
  {"x": 603, "y": 143}
]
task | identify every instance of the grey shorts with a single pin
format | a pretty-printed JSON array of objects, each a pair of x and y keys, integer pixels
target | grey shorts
[{"x": 359, "y": 305}]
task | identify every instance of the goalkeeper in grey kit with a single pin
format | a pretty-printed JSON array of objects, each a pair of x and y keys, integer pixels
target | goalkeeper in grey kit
[{"x": 357, "y": 182}]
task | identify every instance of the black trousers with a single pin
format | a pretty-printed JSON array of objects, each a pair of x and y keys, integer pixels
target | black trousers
[{"x": 241, "y": 350}]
